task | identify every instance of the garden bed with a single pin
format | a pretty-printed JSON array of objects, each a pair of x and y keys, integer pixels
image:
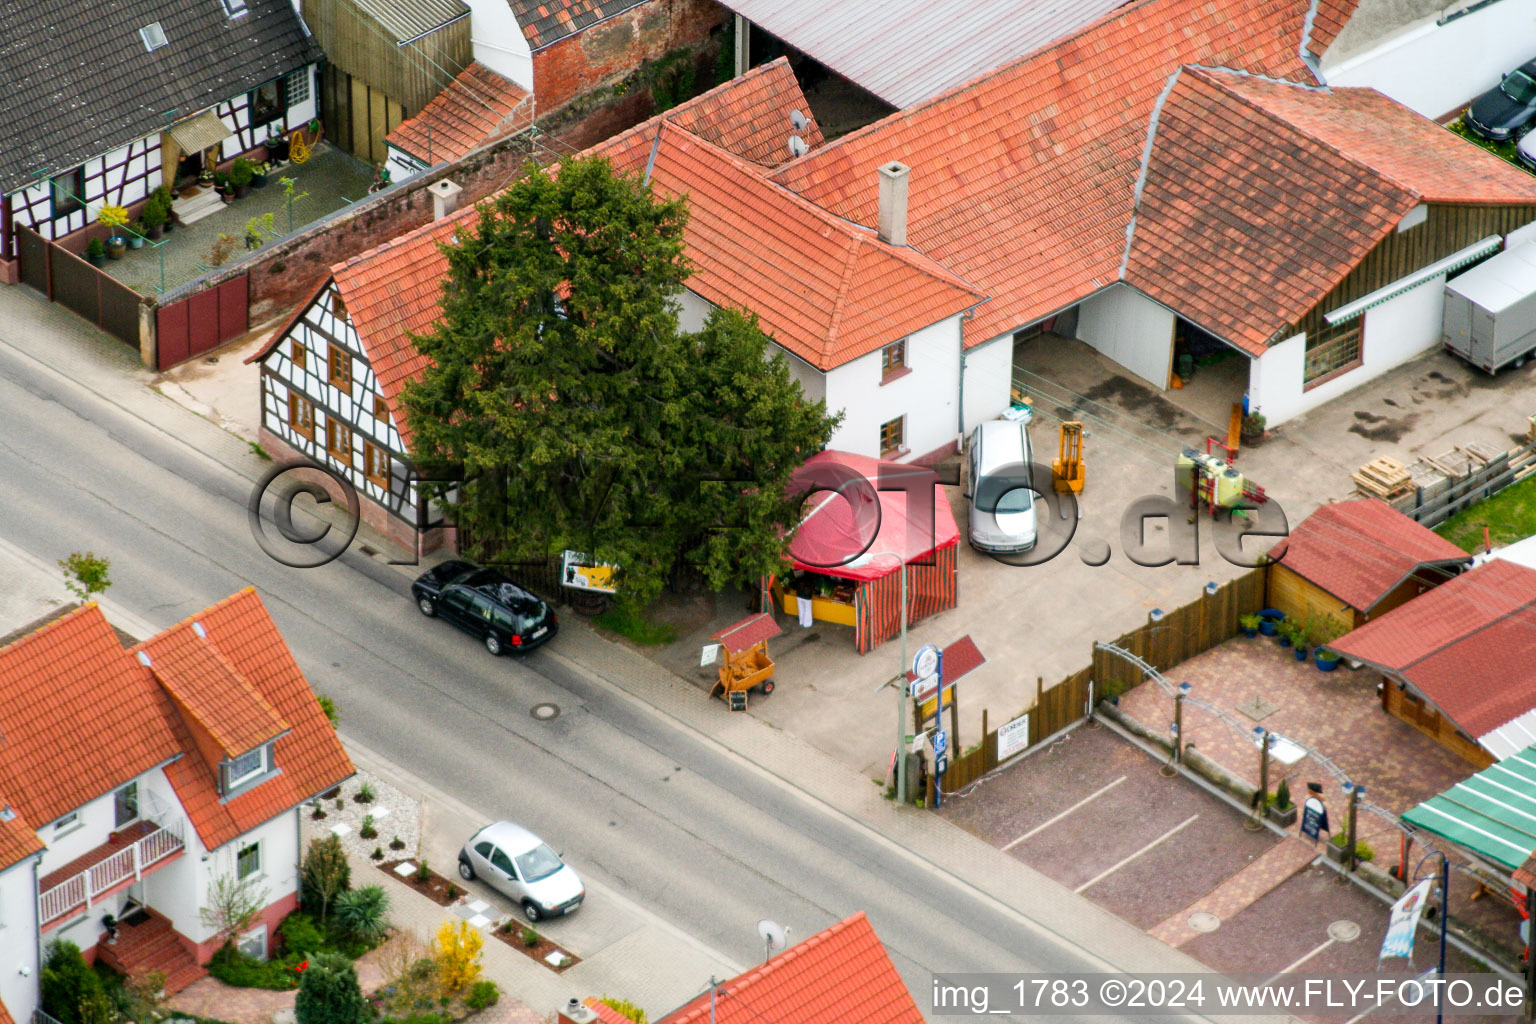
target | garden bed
[
  {"x": 511, "y": 932},
  {"x": 442, "y": 891}
]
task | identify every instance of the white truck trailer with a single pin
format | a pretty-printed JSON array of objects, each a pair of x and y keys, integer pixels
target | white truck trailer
[{"x": 1490, "y": 311}]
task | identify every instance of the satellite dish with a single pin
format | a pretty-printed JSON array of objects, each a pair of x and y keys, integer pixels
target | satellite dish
[
  {"x": 774, "y": 936},
  {"x": 797, "y": 120},
  {"x": 797, "y": 146}
]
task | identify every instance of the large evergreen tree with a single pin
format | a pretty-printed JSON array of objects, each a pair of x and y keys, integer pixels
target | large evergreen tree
[{"x": 580, "y": 414}]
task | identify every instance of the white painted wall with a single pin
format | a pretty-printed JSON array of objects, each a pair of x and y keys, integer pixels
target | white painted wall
[
  {"x": 927, "y": 396},
  {"x": 499, "y": 42},
  {"x": 279, "y": 876},
  {"x": 988, "y": 377},
  {"x": 1131, "y": 329},
  {"x": 692, "y": 311},
  {"x": 1395, "y": 332},
  {"x": 1436, "y": 69},
  {"x": 18, "y": 940}
]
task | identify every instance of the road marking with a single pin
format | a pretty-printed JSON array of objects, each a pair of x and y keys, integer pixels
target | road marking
[
  {"x": 1045, "y": 825},
  {"x": 1298, "y": 963},
  {"x": 1154, "y": 844}
]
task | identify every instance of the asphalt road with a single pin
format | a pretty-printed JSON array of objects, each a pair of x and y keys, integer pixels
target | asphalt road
[{"x": 687, "y": 831}]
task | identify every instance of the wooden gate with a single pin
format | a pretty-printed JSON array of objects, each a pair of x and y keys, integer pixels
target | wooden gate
[
  {"x": 73, "y": 283},
  {"x": 201, "y": 321}
]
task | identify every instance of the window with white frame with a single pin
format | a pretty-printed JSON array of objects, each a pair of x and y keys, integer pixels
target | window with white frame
[
  {"x": 247, "y": 766},
  {"x": 248, "y": 861}
]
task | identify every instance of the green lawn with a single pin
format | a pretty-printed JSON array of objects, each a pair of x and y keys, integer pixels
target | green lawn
[{"x": 1509, "y": 515}]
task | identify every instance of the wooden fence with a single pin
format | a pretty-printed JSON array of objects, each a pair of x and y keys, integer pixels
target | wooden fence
[
  {"x": 83, "y": 289},
  {"x": 1178, "y": 636}
]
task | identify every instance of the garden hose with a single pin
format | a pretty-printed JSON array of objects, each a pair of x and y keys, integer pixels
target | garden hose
[{"x": 300, "y": 150}]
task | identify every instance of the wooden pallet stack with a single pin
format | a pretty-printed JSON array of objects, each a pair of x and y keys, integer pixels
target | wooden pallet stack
[{"x": 1384, "y": 478}]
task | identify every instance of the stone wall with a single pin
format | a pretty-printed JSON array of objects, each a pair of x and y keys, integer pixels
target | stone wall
[{"x": 605, "y": 53}]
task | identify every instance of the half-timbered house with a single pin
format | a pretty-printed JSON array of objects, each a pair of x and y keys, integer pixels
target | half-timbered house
[{"x": 105, "y": 101}]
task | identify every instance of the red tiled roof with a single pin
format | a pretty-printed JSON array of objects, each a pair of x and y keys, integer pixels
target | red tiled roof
[
  {"x": 1245, "y": 222},
  {"x": 18, "y": 840},
  {"x": 1399, "y": 145},
  {"x": 748, "y": 116},
  {"x": 605, "y": 1013},
  {"x": 548, "y": 21},
  {"x": 749, "y": 631},
  {"x": 960, "y": 658},
  {"x": 835, "y": 976},
  {"x": 310, "y": 758},
  {"x": 1022, "y": 180},
  {"x": 1359, "y": 551},
  {"x": 827, "y": 290},
  {"x": 207, "y": 687},
  {"x": 1469, "y": 645},
  {"x": 477, "y": 107},
  {"x": 80, "y": 717},
  {"x": 5, "y": 1015}
]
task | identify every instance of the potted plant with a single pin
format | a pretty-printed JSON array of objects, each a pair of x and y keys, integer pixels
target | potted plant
[
  {"x": 1338, "y": 854},
  {"x": 240, "y": 175},
  {"x": 96, "y": 253},
  {"x": 277, "y": 144},
  {"x": 1282, "y": 811},
  {"x": 1326, "y": 659},
  {"x": 1249, "y": 624},
  {"x": 154, "y": 216},
  {"x": 1252, "y": 428},
  {"x": 1269, "y": 619},
  {"x": 114, "y": 219},
  {"x": 164, "y": 197},
  {"x": 222, "y": 186},
  {"x": 136, "y": 235},
  {"x": 258, "y": 175},
  {"x": 205, "y": 177}
]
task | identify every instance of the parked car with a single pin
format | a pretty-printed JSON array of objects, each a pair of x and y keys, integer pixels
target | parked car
[
  {"x": 1526, "y": 151},
  {"x": 1506, "y": 110},
  {"x": 522, "y": 867},
  {"x": 1002, "y": 504},
  {"x": 486, "y": 605}
]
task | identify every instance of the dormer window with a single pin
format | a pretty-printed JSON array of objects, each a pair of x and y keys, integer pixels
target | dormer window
[
  {"x": 247, "y": 766},
  {"x": 234, "y": 8}
]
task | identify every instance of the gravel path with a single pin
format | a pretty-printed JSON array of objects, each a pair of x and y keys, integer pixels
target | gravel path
[{"x": 394, "y": 815}]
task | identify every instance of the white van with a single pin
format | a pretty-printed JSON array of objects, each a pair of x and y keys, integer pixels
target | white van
[{"x": 1002, "y": 505}]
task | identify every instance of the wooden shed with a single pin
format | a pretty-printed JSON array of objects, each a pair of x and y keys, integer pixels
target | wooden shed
[{"x": 1351, "y": 561}]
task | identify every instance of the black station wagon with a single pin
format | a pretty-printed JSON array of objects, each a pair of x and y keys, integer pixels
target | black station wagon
[{"x": 486, "y": 605}]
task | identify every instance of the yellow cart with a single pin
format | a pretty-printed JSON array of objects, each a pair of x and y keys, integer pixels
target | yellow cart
[{"x": 744, "y": 661}]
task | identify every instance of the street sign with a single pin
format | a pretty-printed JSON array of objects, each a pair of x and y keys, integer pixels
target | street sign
[
  {"x": 941, "y": 764},
  {"x": 926, "y": 661},
  {"x": 940, "y": 741},
  {"x": 923, "y": 688}
]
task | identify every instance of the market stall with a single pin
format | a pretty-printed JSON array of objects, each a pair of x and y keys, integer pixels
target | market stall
[{"x": 851, "y": 579}]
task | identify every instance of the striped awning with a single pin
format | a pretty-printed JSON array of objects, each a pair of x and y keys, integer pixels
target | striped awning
[
  {"x": 1455, "y": 261},
  {"x": 196, "y": 134},
  {"x": 1492, "y": 814}
]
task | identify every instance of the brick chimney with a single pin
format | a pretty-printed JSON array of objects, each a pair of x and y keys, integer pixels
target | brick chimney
[
  {"x": 574, "y": 1012},
  {"x": 445, "y": 198},
  {"x": 893, "y": 203}
]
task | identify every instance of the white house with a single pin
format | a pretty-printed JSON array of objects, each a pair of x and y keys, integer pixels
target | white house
[
  {"x": 190, "y": 83},
  {"x": 865, "y": 322},
  {"x": 145, "y": 777}
]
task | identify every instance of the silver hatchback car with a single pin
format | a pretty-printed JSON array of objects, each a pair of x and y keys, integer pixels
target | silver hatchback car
[{"x": 522, "y": 867}]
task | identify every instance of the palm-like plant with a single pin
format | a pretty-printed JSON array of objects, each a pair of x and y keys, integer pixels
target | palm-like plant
[{"x": 360, "y": 913}]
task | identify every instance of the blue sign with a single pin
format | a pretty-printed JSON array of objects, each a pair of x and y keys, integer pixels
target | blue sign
[
  {"x": 940, "y": 741},
  {"x": 1314, "y": 818}
]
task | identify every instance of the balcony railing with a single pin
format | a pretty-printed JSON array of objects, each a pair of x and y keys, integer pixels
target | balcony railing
[{"x": 129, "y": 862}]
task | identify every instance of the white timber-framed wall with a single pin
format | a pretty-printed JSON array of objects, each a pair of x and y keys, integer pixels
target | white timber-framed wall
[
  {"x": 356, "y": 406},
  {"x": 127, "y": 174}
]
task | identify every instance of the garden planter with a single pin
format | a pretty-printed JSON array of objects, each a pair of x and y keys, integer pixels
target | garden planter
[
  {"x": 1250, "y": 633},
  {"x": 258, "y": 180},
  {"x": 1326, "y": 662},
  {"x": 1285, "y": 818},
  {"x": 116, "y": 246},
  {"x": 277, "y": 150},
  {"x": 241, "y": 191},
  {"x": 96, "y": 260},
  {"x": 155, "y": 233},
  {"x": 135, "y": 242},
  {"x": 227, "y": 197},
  {"x": 1267, "y": 627},
  {"x": 1301, "y": 654},
  {"x": 1334, "y": 852},
  {"x": 1285, "y": 641}
]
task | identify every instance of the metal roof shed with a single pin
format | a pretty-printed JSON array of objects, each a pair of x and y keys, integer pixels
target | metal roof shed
[{"x": 1492, "y": 814}]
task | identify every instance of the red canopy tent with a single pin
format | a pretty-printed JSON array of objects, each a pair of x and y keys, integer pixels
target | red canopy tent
[{"x": 857, "y": 535}]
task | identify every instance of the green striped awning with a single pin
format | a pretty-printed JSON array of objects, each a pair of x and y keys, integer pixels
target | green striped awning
[{"x": 1492, "y": 814}]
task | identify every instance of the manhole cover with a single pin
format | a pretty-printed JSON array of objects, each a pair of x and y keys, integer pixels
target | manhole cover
[
  {"x": 545, "y": 712},
  {"x": 1343, "y": 931},
  {"x": 1201, "y": 921}
]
